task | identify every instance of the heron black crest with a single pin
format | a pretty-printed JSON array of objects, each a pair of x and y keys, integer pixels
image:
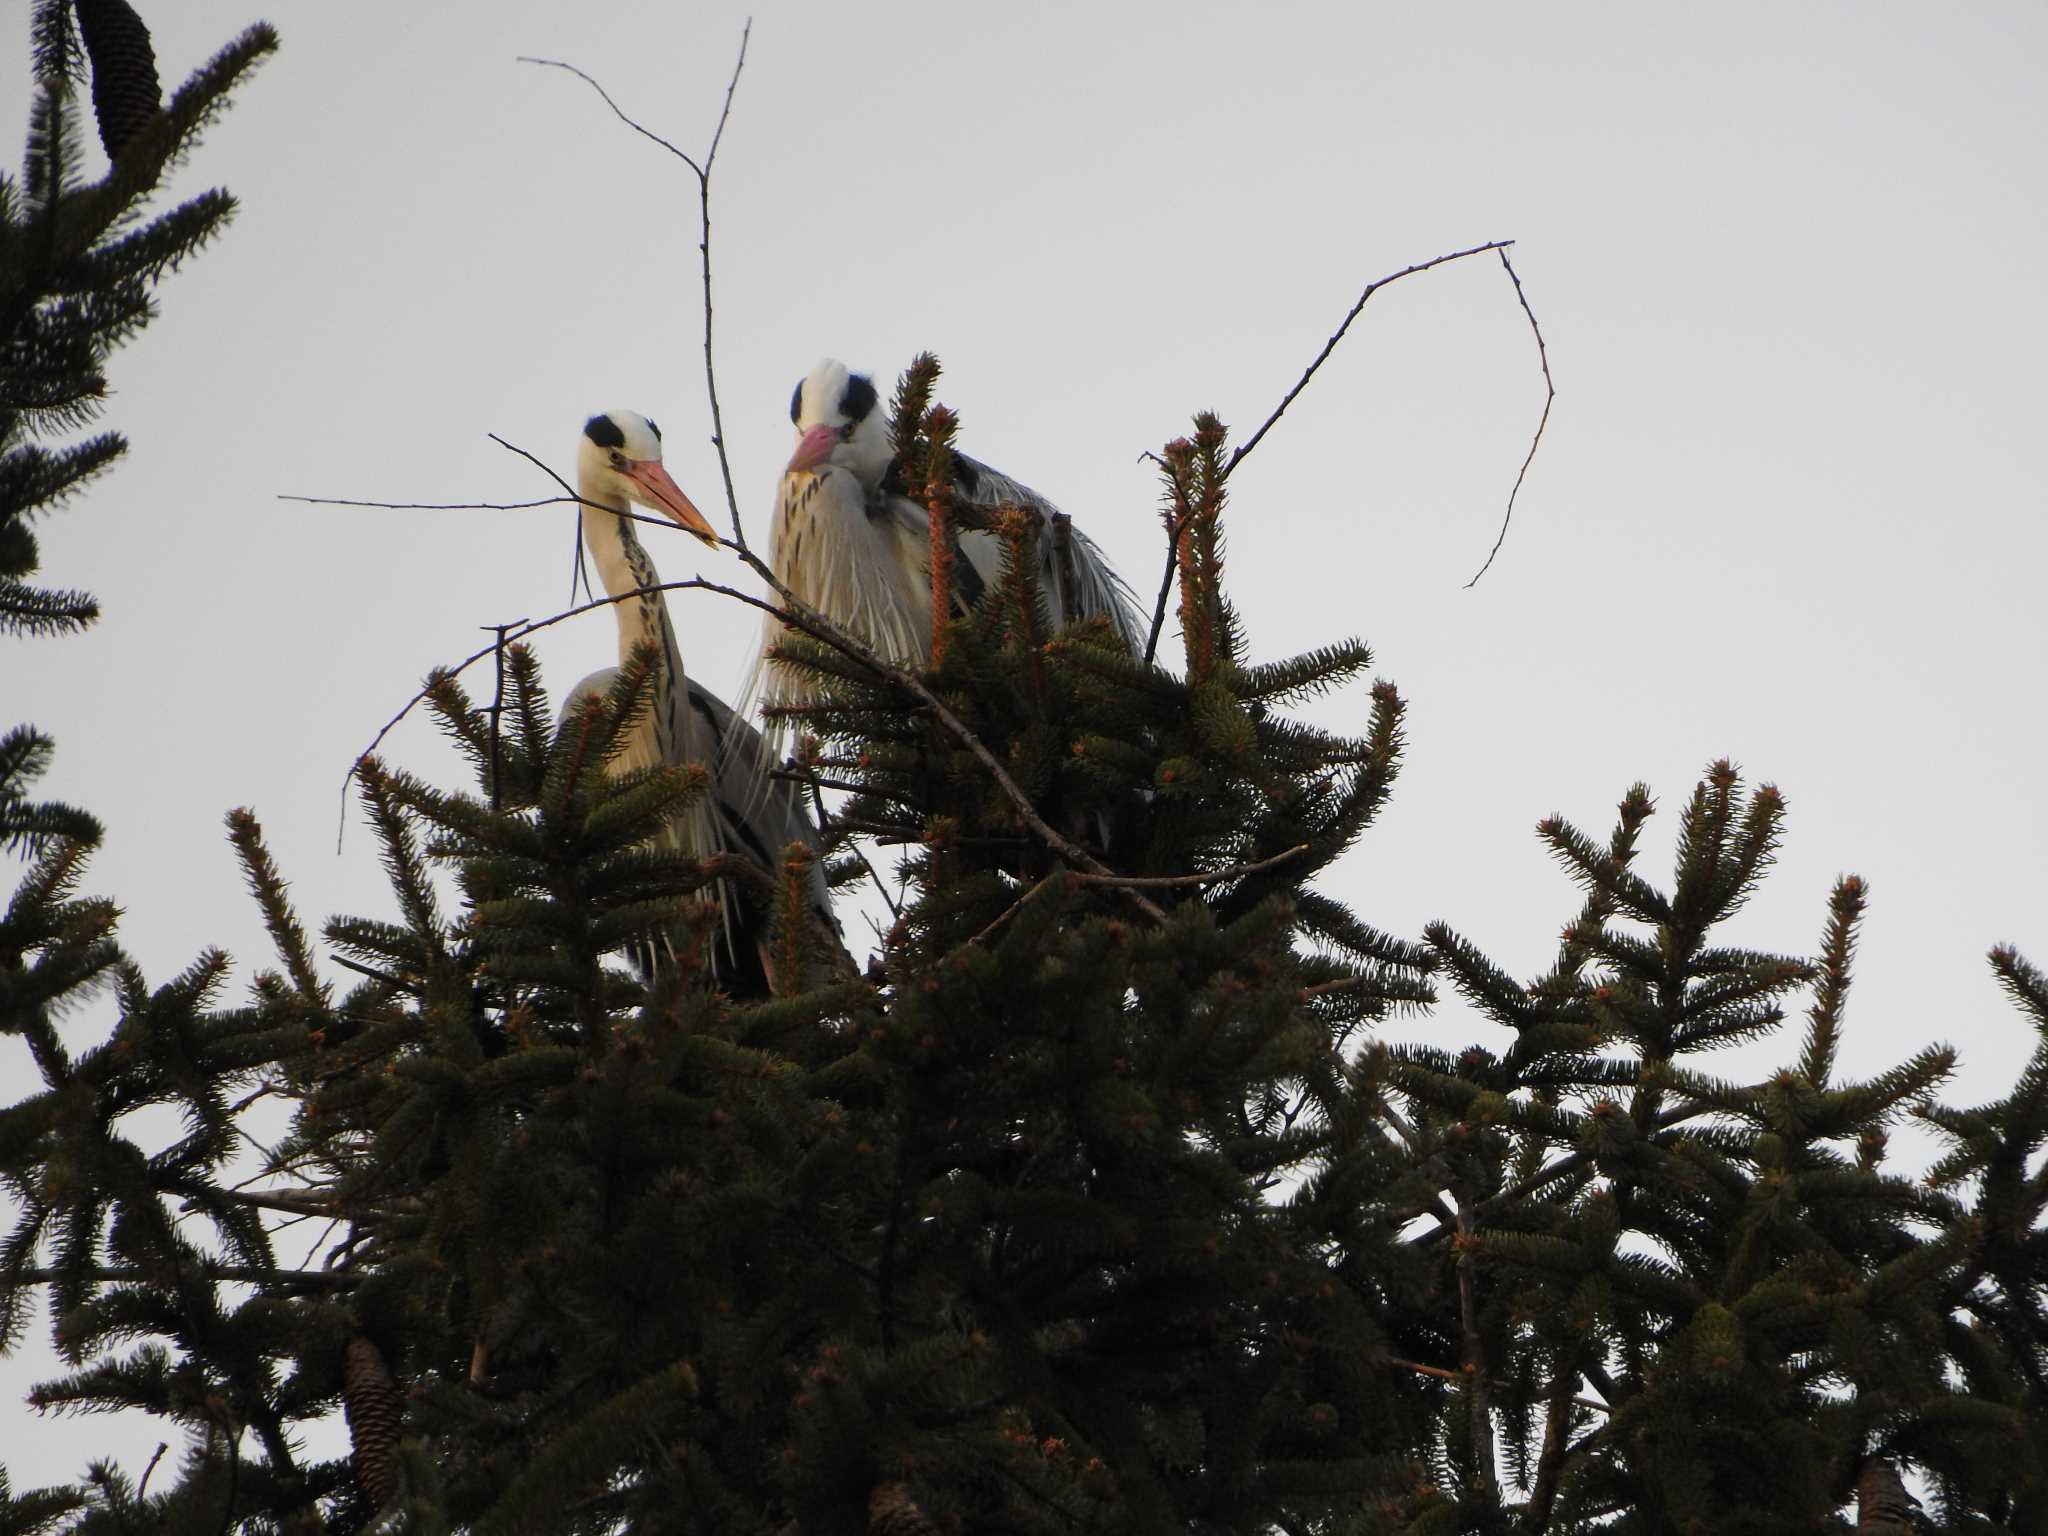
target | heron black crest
[
  {"x": 605, "y": 432},
  {"x": 859, "y": 398}
]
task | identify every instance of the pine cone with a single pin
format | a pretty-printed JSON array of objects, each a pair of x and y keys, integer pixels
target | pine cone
[
  {"x": 1882, "y": 1502},
  {"x": 893, "y": 1512},
  {"x": 125, "y": 93},
  {"x": 369, "y": 1397}
]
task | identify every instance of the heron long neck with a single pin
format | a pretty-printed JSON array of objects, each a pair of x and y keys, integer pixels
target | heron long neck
[{"x": 623, "y": 565}]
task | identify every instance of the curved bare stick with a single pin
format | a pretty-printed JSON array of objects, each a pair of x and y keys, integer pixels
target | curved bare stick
[
  {"x": 1549, "y": 394},
  {"x": 1331, "y": 345},
  {"x": 1166, "y": 580},
  {"x": 431, "y": 506}
]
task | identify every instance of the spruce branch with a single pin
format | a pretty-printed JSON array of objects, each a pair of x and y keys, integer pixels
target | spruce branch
[{"x": 314, "y": 1279}]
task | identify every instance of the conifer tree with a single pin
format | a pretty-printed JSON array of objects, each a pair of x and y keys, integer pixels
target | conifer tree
[
  {"x": 97, "y": 1221},
  {"x": 1094, "y": 1205}
]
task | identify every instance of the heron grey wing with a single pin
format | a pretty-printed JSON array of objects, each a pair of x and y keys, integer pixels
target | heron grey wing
[
  {"x": 982, "y": 486},
  {"x": 762, "y": 816},
  {"x": 1096, "y": 589},
  {"x": 910, "y": 526},
  {"x": 1079, "y": 582}
]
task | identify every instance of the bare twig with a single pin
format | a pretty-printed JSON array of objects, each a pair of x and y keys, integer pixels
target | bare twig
[
  {"x": 616, "y": 112},
  {"x": 1331, "y": 345},
  {"x": 1136, "y": 882},
  {"x": 142, "y": 1488},
  {"x": 438, "y": 506},
  {"x": 1014, "y": 907},
  {"x": 732, "y": 501},
  {"x": 369, "y": 971},
  {"x": 814, "y": 783},
  {"x": 1549, "y": 394},
  {"x": 1166, "y": 580},
  {"x": 319, "y": 1242},
  {"x": 703, "y": 175},
  {"x": 1174, "y": 882},
  {"x": 1173, "y": 534},
  {"x": 1064, "y": 847},
  {"x": 246, "y": 1100}
]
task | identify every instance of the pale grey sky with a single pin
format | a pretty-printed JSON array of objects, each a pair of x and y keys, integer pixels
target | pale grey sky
[{"x": 1788, "y": 509}]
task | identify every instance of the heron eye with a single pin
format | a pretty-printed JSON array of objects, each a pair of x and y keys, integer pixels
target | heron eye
[
  {"x": 618, "y": 459},
  {"x": 846, "y": 433}
]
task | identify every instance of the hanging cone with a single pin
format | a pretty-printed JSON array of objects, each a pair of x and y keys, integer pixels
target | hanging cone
[
  {"x": 1882, "y": 1502},
  {"x": 125, "y": 93},
  {"x": 893, "y": 1512},
  {"x": 369, "y": 1398}
]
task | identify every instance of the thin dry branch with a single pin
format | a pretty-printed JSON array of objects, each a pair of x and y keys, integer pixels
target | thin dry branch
[
  {"x": 142, "y": 1488},
  {"x": 703, "y": 175},
  {"x": 825, "y": 821},
  {"x": 1500, "y": 246},
  {"x": 1181, "y": 882},
  {"x": 1331, "y": 345},
  {"x": 437, "y": 506},
  {"x": 617, "y": 111},
  {"x": 1549, "y": 394},
  {"x": 1173, "y": 534},
  {"x": 341, "y": 960},
  {"x": 1138, "y": 882}
]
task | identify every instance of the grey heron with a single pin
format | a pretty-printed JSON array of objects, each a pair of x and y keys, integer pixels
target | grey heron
[
  {"x": 618, "y": 464},
  {"x": 852, "y": 544}
]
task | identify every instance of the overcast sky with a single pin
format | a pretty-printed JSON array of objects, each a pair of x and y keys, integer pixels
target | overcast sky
[{"x": 1789, "y": 507}]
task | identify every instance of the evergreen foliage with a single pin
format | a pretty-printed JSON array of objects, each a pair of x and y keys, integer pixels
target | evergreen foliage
[{"x": 1094, "y": 1205}]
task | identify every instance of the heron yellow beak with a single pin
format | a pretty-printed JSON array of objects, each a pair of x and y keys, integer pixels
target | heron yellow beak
[{"x": 665, "y": 495}]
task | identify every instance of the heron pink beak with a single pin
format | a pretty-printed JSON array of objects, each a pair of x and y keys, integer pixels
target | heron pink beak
[
  {"x": 813, "y": 449},
  {"x": 664, "y": 493}
]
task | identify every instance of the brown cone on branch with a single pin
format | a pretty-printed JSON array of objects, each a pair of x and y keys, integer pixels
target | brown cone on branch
[
  {"x": 1883, "y": 1503},
  {"x": 125, "y": 92},
  {"x": 893, "y": 1512},
  {"x": 370, "y": 1399}
]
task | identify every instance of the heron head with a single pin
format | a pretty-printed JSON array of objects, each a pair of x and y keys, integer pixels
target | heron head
[
  {"x": 835, "y": 412},
  {"x": 619, "y": 458}
]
